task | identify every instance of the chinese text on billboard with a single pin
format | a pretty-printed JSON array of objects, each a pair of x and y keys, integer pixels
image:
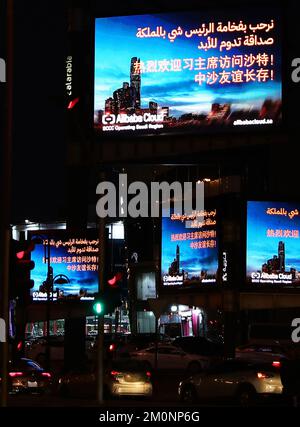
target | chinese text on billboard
[
  {"x": 189, "y": 254},
  {"x": 273, "y": 243},
  {"x": 73, "y": 266},
  {"x": 187, "y": 71}
]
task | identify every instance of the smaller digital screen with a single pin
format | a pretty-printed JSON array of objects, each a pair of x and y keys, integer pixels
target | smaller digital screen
[
  {"x": 273, "y": 243},
  {"x": 72, "y": 267},
  {"x": 189, "y": 254}
]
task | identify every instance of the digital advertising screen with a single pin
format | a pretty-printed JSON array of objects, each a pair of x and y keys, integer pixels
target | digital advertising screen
[
  {"x": 273, "y": 243},
  {"x": 189, "y": 255},
  {"x": 187, "y": 71},
  {"x": 73, "y": 267}
]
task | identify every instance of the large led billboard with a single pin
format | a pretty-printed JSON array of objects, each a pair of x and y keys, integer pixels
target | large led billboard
[
  {"x": 73, "y": 265},
  {"x": 187, "y": 71},
  {"x": 189, "y": 255},
  {"x": 273, "y": 243}
]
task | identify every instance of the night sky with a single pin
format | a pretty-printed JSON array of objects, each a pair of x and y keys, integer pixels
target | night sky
[
  {"x": 39, "y": 129},
  {"x": 39, "y": 153}
]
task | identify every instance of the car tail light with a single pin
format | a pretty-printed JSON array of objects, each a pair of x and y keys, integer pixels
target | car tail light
[
  {"x": 276, "y": 364},
  {"x": 46, "y": 374},
  {"x": 263, "y": 375},
  {"x": 112, "y": 347},
  {"x": 114, "y": 374},
  {"x": 16, "y": 374},
  {"x": 148, "y": 374}
]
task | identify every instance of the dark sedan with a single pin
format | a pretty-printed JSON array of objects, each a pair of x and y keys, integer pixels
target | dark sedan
[{"x": 25, "y": 375}]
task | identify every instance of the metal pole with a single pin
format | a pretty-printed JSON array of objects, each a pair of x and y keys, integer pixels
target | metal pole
[
  {"x": 156, "y": 343},
  {"x": 6, "y": 201},
  {"x": 100, "y": 347},
  {"x": 5, "y": 316}
]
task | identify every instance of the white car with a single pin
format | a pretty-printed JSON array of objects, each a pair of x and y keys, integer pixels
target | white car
[
  {"x": 171, "y": 357},
  {"x": 235, "y": 379},
  {"x": 261, "y": 353},
  {"x": 122, "y": 377}
]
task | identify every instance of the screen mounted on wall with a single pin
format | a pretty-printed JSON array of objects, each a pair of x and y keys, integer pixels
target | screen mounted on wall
[
  {"x": 189, "y": 255},
  {"x": 187, "y": 72},
  {"x": 273, "y": 243}
]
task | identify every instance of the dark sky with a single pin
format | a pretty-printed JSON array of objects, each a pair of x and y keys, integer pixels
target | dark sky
[
  {"x": 39, "y": 161},
  {"x": 39, "y": 133}
]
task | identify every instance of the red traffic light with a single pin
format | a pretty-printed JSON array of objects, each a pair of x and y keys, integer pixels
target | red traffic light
[
  {"x": 20, "y": 255},
  {"x": 114, "y": 280},
  {"x": 23, "y": 249},
  {"x": 21, "y": 265},
  {"x": 73, "y": 103}
]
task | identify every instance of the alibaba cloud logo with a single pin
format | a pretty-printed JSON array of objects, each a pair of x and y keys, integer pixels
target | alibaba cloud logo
[{"x": 108, "y": 119}]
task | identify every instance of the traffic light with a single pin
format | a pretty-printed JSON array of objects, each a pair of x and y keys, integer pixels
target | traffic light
[
  {"x": 111, "y": 297},
  {"x": 115, "y": 279},
  {"x": 114, "y": 288},
  {"x": 19, "y": 288},
  {"x": 106, "y": 302},
  {"x": 98, "y": 307},
  {"x": 21, "y": 266}
]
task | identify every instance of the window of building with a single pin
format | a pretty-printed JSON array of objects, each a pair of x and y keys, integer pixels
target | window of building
[
  {"x": 145, "y": 283},
  {"x": 145, "y": 322}
]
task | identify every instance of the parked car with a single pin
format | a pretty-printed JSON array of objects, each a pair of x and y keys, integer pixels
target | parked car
[
  {"x": 171, "y": 357},
  {"x": 122, "y": 377},
  {"x": 262, "y": 353},
  {"x": 136, "y": 342},
  {"x": 25, "y": 375},
  {"x": 234, "y": 379}
]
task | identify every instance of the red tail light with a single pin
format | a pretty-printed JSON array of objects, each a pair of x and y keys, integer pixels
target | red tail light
[
  {"x": 276, "y": 364},
  {"x": 46, "y": 374},
  {"x": 114, "y": 373},
  {"x": 16, "y": 374},
  {"x": 148, "y": 374},
  {"x": 112, "y": 347},
  {"x": 19, "y": 346}
]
